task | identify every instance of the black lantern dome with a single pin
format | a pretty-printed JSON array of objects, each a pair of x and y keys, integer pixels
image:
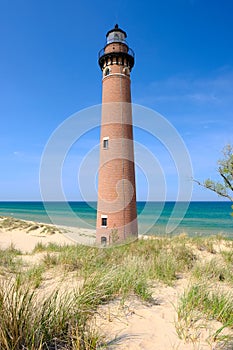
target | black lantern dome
[{"x": 116, "y": 36}]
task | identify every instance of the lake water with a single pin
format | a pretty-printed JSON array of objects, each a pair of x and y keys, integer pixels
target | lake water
[{"x": 201, "y": 218}]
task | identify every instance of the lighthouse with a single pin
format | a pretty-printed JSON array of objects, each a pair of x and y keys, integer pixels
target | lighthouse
[{"x": 116, "y": 209}]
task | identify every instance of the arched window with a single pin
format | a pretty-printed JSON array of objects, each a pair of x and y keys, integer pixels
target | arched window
[
  {"x": 107, "y": 71},
  {"x": 103, "y": 241},
  {"x": 126, "y": 71}
]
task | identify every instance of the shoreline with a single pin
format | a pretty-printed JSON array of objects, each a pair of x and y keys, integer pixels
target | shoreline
[
  {"x": 26, "y": 234},
  {"x": 202, "y": 218}
]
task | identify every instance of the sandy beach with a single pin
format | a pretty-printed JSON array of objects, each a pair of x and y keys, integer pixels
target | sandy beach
[
  {"x": 25, "y": 235},
  {"x": 134, "y": 325}
]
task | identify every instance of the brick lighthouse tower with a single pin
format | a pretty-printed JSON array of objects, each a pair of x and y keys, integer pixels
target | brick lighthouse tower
[{"x": 116, "y": 211}]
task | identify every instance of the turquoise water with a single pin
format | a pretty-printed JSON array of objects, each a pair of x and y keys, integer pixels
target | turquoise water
[{"x": 201, "y": 218}]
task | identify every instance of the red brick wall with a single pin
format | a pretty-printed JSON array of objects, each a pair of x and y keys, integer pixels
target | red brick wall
[
  {"x": 116, "y": 47},
  {"x": 116, "y": 178}
]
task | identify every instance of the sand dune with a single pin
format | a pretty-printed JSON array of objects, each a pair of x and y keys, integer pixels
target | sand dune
[
  {"x": 134, "y": 325},
  {"x": 24, "y": 235}
]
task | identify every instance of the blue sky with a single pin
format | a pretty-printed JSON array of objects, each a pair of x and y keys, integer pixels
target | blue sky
[{"x": 49, "y": 71}]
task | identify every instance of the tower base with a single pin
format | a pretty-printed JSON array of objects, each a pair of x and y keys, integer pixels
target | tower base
[{"x": 106, "y": 236}]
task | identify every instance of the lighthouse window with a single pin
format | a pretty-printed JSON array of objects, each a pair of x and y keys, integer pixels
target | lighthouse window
[
  {"x": 105, "y": 142},
  {"x": 126, "y": 71},
  {"x": 107, "y": 71},
  {"x": 103, "y": 241},
  {"x": 104, "y": 221}
]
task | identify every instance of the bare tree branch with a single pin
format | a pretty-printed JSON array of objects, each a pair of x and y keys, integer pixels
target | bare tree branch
[
  {"x": 214, "y": 190},
  {"x": 226, "y": 180},
  {"x": 225, "y": 170}
]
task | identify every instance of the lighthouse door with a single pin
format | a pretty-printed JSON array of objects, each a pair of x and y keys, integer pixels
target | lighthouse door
[{"x": 103, "y": 241}]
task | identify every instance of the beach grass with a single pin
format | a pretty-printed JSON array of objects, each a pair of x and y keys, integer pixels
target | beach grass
[
  {"x": 160, "y": 259},
  {"x": 228, "y": 257},
  {"x": 215, "y": 270},
  {"x": 9, "y": 223},
  {"x": 33, "y": 319},
  {"x": 200, "y": 303},
  {"x": 10, "y": 259},
  {"x": 58, "y": 321},
  {"x": 34, "y": 275}
]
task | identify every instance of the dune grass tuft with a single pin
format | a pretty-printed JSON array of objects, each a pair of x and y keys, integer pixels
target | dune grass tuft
[
  {"x": 30, "y": 320},
  {"x": 214, "y": 270},
  {"x": 10, "y": 259},
  {"x": 161, "y": 259},
  {"x": 201, "y": 302},
  {"x": 56, "y": 322}
]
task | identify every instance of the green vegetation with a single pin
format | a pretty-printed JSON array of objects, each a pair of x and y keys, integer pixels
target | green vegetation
[
  {"x": 10, "y": 259},
  {"x": 228, "y": 258},
  {"x": 34, "y": 275},
  {"x": 160, "y": 259},
  {"x": 225, "y": 170},
  {"x": 33, "y": 318},
  {"x": 214, "y": 270},
  {"x": 56, "y": 322},
  {"x": 202, "y": 300},
  {"x": 10, "y": 223}
]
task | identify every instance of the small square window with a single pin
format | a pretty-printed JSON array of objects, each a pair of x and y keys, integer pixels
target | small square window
[
  {"x": 105, "y": 143},
  {"x": 103, "y": 221}
]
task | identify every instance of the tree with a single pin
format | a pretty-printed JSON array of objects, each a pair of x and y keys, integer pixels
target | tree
[{"x": 225, "y": 170}]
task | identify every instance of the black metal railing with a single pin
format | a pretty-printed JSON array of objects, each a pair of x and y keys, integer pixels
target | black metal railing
[{"x": 129, "y": 52}]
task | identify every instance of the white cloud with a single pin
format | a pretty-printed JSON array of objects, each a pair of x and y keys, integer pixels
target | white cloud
[{"x": 17, "y": 153}]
